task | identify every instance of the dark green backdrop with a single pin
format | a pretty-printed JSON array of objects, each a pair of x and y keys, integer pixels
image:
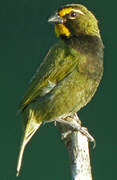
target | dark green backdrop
[{"x": 25, "y": 37}]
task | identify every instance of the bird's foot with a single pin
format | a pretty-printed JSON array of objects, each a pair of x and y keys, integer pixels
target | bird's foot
[
  {"x": 74, "y": 124},
  {"x": 64, "y": 135},
  {"x": 84, "y": 130}
]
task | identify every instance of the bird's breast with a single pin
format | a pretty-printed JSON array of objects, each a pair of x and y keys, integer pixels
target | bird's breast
[{"x": 91, "y": 65}]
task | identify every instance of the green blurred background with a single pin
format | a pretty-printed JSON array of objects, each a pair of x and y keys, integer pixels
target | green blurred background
[{"x": 25, "y": 37}]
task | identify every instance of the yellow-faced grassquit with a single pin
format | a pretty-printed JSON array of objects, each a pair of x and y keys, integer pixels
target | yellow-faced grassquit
[{"x": 69, "y": 75}]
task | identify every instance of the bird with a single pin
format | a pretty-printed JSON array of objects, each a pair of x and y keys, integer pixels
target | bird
[{"x": 69, "y": 75}]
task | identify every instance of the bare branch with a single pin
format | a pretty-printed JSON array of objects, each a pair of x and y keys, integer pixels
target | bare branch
[{"x": 78, "y": 149}]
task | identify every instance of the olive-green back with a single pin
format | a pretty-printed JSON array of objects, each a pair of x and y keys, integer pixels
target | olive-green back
[{"x": 54, "y": 68}]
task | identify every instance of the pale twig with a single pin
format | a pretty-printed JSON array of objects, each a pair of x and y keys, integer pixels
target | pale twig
[{"x": 77, "y": 146}]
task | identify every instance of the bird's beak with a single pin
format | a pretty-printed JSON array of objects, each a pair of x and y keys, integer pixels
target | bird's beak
[{"x": 55, "y": 19}]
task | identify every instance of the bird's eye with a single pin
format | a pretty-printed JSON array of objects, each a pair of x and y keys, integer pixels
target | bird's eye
[{"x": 73, "y": 14}]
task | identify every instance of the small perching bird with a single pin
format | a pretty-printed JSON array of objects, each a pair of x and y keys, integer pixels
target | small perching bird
[{"x": 69, "y": 75}]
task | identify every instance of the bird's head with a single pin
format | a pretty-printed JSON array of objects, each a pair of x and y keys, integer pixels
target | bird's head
[{"x": 74, "y": 20}]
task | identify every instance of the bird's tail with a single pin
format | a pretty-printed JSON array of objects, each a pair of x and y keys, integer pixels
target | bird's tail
[{"x": 30, "y": 129}]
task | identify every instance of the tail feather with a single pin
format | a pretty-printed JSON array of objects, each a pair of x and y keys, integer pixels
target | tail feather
[{"x": 30, "y": 129}]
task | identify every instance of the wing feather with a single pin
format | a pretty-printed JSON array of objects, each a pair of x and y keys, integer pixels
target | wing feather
[{"x": 58, "y": 63}]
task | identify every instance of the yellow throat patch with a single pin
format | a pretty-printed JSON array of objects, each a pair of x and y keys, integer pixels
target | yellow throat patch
[{"x": 61, "y": 29}]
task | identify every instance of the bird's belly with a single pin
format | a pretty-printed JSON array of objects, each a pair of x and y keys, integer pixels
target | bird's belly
[{"x": 69, "y": 96}]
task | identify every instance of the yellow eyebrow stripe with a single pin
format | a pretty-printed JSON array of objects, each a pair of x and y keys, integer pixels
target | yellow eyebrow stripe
[{"x": 65, "y": 11}]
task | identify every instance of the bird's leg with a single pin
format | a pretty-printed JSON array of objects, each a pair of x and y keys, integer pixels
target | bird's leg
[{"x": 74, "y": 124}]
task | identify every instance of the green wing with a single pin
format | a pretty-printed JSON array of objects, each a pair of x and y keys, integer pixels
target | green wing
[{"x": 59, "y": 62}]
